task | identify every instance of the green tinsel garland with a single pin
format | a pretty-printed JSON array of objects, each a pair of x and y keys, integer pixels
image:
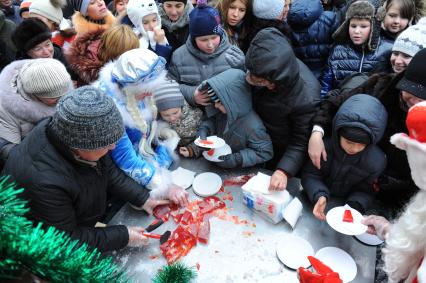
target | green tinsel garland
[
  {"x": 50, "y": 254},
  {"x": 175, "y": 273}
]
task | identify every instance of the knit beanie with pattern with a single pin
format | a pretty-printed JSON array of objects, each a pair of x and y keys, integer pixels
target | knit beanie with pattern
[
  {"x": 412, "y": 40},
  {"x": 414, "y": 80},
  {"x": 204, "y": 20},
  {"x": 50, "y": 9},
  {"x": 268, "y": 9},
  {"x": 44, "y": 78},
  {"x": 168, "y": 95},
  {"x": 87, "y": 119},
  {"x": 79, "y": 5}
]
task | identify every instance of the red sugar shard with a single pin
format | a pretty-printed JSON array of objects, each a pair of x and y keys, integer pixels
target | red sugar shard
[{"x": 347, "y": 216}]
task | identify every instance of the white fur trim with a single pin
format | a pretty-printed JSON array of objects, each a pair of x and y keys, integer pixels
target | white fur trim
[
  {"x": 402, "y": 141},
  {"x": 159, "y": 184}
]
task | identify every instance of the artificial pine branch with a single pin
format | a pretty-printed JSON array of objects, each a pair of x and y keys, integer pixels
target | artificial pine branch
[
  {"x": 175, "y": 273},
  {"x": 50, "y": 254}
]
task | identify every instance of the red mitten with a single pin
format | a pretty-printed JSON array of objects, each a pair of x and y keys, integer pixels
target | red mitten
[{"x": 324, "y": 273}]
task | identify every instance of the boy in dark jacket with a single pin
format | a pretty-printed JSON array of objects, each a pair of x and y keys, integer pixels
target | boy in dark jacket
[
  {"x": 235, "y": 121},
  {"x": 354, "y": 160}
]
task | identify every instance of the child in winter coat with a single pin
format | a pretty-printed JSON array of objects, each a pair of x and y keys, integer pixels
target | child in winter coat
[
  {"x": 144, "y": 152},
  {"x": 144, "y": 17},
  {"x": 175, "y": 19},
  {"x": 312, "y": 30},
  {"x": 359, "y": 47},
  {"x": 354, "y": 161},
  {"x": 397, "y": 16},
  {"x": 177, "y": 114},
  {"x": 207, "y": 52},
  {"x": 236, "y": 122}
]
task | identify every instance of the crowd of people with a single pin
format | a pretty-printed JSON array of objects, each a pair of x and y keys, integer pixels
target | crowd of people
[{"x": 97, "y": 100}]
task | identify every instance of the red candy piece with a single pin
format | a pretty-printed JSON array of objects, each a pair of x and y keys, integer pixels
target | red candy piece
[
  {"x": 162, "y": 212},
  {"x": 206, "y": 142},
  {"x": 204, "y": 230},
  {"x": 347, "y": 216},
  {"x": 178, "y": 245},
  {"x": 210, "y": 152}
]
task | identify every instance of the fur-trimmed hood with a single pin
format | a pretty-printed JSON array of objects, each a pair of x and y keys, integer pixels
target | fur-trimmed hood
[
  {"x": 19, "y": 105},
  {"x": 82, "y": 25},
  {"x": 82, "y": 56}
]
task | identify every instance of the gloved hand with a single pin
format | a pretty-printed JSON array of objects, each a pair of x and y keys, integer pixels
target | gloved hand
[
  {"x": 178, "y": 195},
  {"x": 377, "y": 225},
  {"x": 136, "y": 239},
  {"x": 231, "y": 160},
  {"x": 151, "y": 203},
  {"x": 324, "y": 273}
]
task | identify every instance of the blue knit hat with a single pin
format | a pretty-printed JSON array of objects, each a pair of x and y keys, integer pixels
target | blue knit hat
[
  {"x": 204, "y": 20},
  {"x": 86, "y": 118}
]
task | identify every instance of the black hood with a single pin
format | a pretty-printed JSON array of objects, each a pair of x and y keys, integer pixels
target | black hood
[{"x": 271, "y": 56}]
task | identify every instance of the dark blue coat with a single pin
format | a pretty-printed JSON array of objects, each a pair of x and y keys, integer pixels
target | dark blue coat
[
  {"x": 350, "y": 176},
  {"x": 346, "y": 59},
  {"x": 312, "y": 28}
]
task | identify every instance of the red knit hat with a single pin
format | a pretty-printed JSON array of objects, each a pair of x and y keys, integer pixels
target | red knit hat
[{"x": 416, "y": 122}]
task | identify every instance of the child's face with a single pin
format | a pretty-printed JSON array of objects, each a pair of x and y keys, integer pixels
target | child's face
[
  {"x": 236, "y": 12},
  {"x": 393, "y": 21},
  {"x": 208, "y": 43},
  {"x": 399, "y": 61},
  {"x": 150, "y": 22},
  {"x": 351, "y": 147},
  {"x": 220, "y": 107},
  {"x": 359, "y": 30},
  {"x": 121, "y": 6},
  {"x": 284, "y": 13},
  {"x": 174, "y": 10},
  {"x": 172, "y": 115}
]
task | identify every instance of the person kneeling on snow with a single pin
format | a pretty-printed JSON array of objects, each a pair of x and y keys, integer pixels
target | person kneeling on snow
[
  {"x": 144, "y": 152},
  {"x": 354, "y": 160},
  {"x": 235, "y": 122}
]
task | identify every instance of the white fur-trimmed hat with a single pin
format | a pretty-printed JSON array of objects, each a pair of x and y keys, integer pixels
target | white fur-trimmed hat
[{"x": 415, "y": 143}]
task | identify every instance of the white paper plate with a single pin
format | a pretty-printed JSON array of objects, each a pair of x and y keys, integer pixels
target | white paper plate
[
  {"x": 334, "y": 218},
  {"x": 207, "y": 184},
  {"x": 183, "y": 177},
  {"x": 216, "y": 142},
  {"x": 224, "y": 150},
  {"x": 340, "y": 261},
  {"x": 293, "y": 251},
  {"x": 369, "y": 239}
]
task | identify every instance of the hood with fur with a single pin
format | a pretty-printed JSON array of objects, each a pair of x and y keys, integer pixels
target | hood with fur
[
  {"x": 82, "y": 56},
  {"x": 82, "y": 25}
]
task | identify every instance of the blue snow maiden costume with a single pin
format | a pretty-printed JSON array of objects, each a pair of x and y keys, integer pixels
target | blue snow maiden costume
[{"x": 140, "y": 153}]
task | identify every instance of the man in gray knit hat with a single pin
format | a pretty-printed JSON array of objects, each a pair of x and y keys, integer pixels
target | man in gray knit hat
[{"x": 67, "y": 174}]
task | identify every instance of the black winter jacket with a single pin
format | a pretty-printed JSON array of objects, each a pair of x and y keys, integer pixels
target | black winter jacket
[
  {"x": 69, "y": 194},
  {"x": 396, "y": 185},
  {"x": 344, "y": 175},
  {"x": 287, "y": 110}
]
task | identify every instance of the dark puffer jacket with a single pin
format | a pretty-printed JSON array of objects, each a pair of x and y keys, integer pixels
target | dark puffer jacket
[
  {"x": 395, "y": 184},
  {"x": 312, "y": 28},
  {"x": 69, "y": 194},
  {"x": 346, "y": 59},
  {"x": 240, "y": 127},
  {"x": 287, "y": 110},
  {"x": 350, "y": 176}
]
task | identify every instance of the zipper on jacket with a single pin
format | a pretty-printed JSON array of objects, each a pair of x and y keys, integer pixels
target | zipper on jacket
[{"x": 362, "y": 59}]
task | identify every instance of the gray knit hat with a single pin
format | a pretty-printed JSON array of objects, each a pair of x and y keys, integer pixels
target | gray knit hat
[
  {"x": 412, "y": 40},
  {"x": 167, "y": 95},
  {"x": 43, "y": 78},
  {"x": 86, "y": 118},
  {"x": 268, "y": 9}
]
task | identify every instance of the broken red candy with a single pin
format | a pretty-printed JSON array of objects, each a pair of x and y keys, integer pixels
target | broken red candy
[
  {"x": 204, "y": 230},
  {"x": 210, "y": 152},
  {"x": 347, "y": 216},
  {"x": 179, "y": 244},
  {"x": 206, "y": 142},
  {"x": 162, "y": 212}
]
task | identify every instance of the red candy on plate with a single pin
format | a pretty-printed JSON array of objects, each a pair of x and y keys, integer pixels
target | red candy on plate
[{"x": 347, "y": 216}]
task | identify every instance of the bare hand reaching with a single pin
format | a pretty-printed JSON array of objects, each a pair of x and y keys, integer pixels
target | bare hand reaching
[
  {"x": 316, "y": 149},
  {"x": 319, "y": 208},
  {"x": 278, "y": 181}
]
